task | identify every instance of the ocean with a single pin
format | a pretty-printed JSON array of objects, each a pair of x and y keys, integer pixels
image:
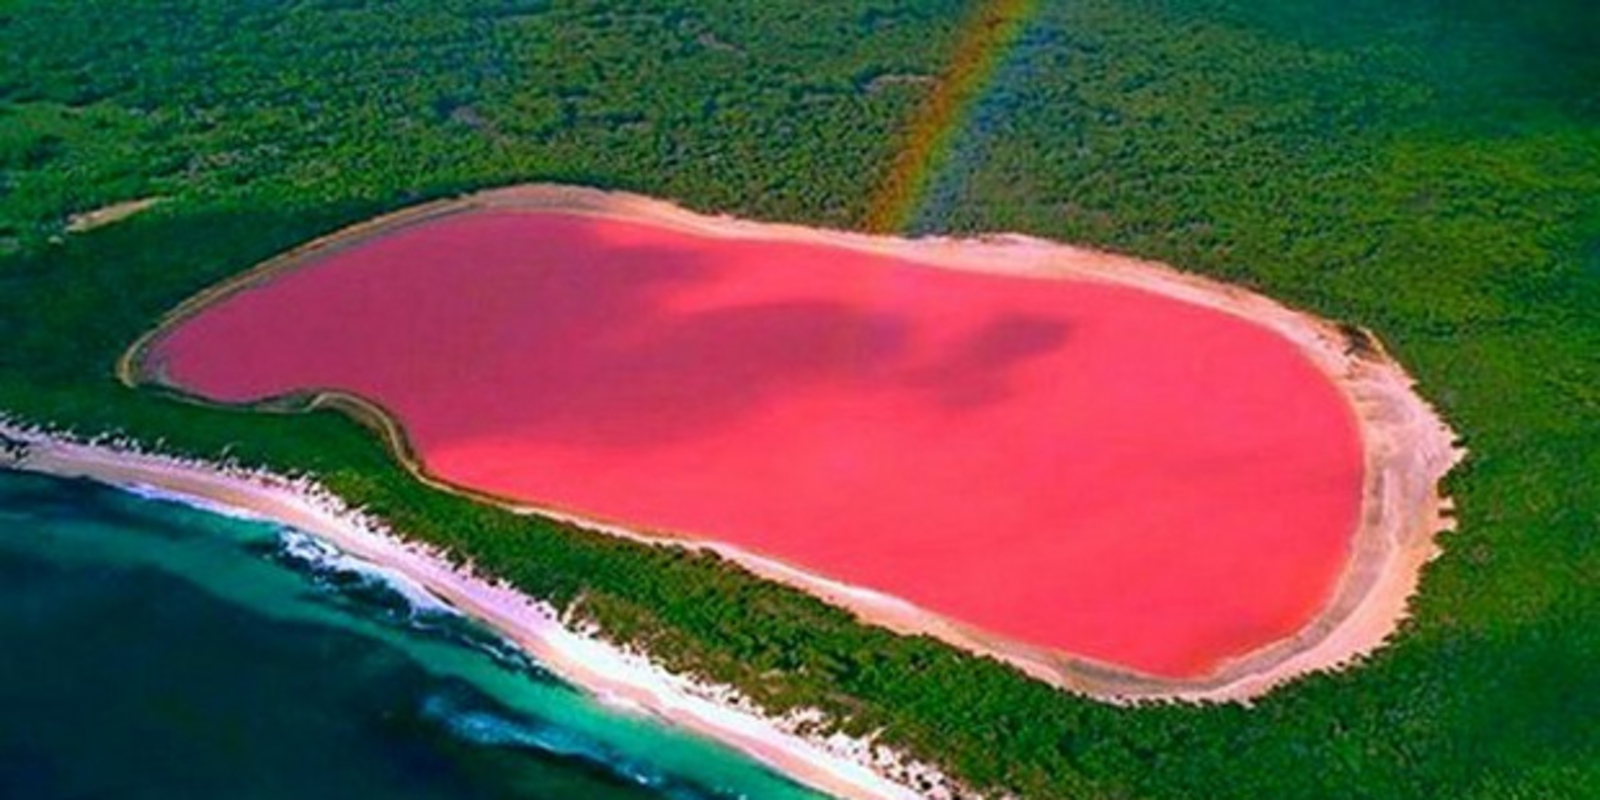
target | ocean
[{"x": 153, "y": 650}]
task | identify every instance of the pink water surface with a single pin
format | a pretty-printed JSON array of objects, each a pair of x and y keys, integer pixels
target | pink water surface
[{"x": 1088, "y": 468}]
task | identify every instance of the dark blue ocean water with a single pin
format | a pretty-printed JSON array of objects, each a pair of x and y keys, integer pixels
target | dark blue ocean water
[{"x": 151, "y": 650}]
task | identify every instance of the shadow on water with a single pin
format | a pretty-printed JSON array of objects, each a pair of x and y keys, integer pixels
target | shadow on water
[
  {"x": 607, "y": 324},
  {"x": 564, "y": 334}
]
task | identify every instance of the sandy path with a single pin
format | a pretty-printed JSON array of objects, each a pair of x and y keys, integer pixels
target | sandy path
[
  {"x": 1407, "y": 447},
  {"x": 837, "y": 766}
]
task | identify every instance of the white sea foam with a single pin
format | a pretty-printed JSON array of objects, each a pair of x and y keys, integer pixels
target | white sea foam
[
  {"x": 497, "y": 730},
  {"x": 323, "y": 556}
]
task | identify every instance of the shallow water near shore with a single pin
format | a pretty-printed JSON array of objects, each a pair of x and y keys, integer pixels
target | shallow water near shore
[{"x": 149, "y": 649}]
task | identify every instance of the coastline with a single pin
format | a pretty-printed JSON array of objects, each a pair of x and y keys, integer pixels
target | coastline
[
  {"x": 836, "y": 765},
  {"x": 1407, "y": 448}
]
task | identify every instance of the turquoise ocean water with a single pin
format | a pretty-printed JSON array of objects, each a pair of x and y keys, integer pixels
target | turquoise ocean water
[{"x": 151, "y": 650}]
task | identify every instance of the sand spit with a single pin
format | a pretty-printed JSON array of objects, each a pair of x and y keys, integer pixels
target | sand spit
[
  {"x": 841, "y": 766},
  {"x": 1407, "y": 447}
]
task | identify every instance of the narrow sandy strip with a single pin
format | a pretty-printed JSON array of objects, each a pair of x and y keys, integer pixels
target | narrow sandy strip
[
  {"x": 837, "y": 765},
  {"x": 116, "y": 212},
  {"x": 1407, "y": 447}
]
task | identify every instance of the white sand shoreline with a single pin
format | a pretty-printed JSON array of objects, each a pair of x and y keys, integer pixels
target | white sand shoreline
[{"x": 836, "y": 765}]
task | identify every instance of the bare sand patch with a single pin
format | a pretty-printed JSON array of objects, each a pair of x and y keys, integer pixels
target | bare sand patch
[{"x": 106, "y": 215}]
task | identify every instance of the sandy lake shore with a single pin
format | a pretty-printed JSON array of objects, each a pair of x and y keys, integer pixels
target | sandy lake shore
[{"x": 1407, "y": 447}]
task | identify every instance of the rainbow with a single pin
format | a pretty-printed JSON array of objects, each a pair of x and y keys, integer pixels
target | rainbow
[{"x": 984, "y": 40}]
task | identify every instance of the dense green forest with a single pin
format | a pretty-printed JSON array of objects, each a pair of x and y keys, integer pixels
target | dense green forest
[{"x": 1430, "y": 170}]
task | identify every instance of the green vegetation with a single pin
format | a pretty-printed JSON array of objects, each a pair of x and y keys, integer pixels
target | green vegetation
[{"x": 1431, "y": 171}]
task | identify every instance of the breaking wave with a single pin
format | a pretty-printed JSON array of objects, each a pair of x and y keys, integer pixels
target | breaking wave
[
  {"x": 492, "y": 728},
  {"x": 360, "y": 585}
]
